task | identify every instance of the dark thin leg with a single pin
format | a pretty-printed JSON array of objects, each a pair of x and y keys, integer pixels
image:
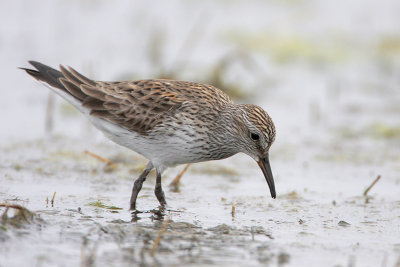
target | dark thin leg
[
  {"x": 158, "y": 190},
  {"x": 137, "y": 186}
]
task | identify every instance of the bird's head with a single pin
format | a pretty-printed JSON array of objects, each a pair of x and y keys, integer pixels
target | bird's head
[{"x": 257, "y": 133}]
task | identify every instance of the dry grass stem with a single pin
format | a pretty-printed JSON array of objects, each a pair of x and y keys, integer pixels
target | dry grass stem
[
  {"x": 107, "y": 161},
  {"x": 177, "y": 179},
  {"x": 373, "y": 183},
  {"x": 52, "y": 199},
  {"x": 233, "y": 211},
  {"x": 159, "y": 235}
]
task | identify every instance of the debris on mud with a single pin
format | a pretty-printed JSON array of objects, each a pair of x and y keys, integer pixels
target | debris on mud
[
  {"x": 20, "y": 218},
  {"x": 100, "y": 204}
]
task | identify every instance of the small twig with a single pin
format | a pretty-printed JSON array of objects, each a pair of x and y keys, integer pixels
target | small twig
[
  {"x": 233, "y": 211},
  {"x": 52, "y": 199},
  {"x": 177, "y": 179},
  {"x": 373, "y": 183},
  {"x": 159, "y": 235},
  {"x": 107, "y": 161}
]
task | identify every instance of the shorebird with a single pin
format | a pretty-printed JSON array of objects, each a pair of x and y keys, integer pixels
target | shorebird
[{"x": 169, "y": 122}]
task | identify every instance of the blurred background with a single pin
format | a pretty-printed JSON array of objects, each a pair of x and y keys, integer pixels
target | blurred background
[
  {"x": 313, "y": 65},
  {"x": 327, "y": 72}
]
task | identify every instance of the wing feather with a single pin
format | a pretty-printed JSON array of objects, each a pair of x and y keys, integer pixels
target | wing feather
[{"x": 135, "y": 105}]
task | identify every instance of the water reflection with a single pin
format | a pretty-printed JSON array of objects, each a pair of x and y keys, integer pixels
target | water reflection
[{"x": 157, "y": 214}]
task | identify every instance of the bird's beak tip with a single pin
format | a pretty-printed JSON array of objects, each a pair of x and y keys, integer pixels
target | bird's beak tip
[{"x": 266, "y": 169}]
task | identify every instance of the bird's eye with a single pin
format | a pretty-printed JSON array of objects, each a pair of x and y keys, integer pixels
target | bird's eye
[{"x": 254, "y": 136}]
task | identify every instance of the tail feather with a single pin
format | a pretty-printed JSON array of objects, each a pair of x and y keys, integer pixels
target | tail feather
[
  {"x": 46, "y": 74},
  {"x": 80, "y": 91},
  {"x": 68, "y": 81}
]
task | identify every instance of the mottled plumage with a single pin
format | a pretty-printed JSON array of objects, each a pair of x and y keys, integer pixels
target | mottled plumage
[{"x": 169, "y": 122}]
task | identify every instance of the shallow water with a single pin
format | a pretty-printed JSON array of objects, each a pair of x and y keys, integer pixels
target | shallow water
[
  {"x": 327, "y": 75},
  {"x": 318, "y": 217}
]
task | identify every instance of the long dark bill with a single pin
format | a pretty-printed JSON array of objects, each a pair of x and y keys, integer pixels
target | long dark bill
[{"x": 266, "y": 169}]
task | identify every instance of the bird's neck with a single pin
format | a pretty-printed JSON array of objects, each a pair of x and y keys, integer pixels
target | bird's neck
[{"x": 230, "y": 125}]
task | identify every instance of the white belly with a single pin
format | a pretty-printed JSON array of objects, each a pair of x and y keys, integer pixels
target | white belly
[{"x": 166, "y": 150}]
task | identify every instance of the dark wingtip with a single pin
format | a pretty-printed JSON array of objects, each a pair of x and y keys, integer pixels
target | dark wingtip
[
  {"x": 33, "y": 73},
  {"x": 39, "y": 66},
  {"x": 33, "y": 62},
  {"x": 45, "y": 73}
]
